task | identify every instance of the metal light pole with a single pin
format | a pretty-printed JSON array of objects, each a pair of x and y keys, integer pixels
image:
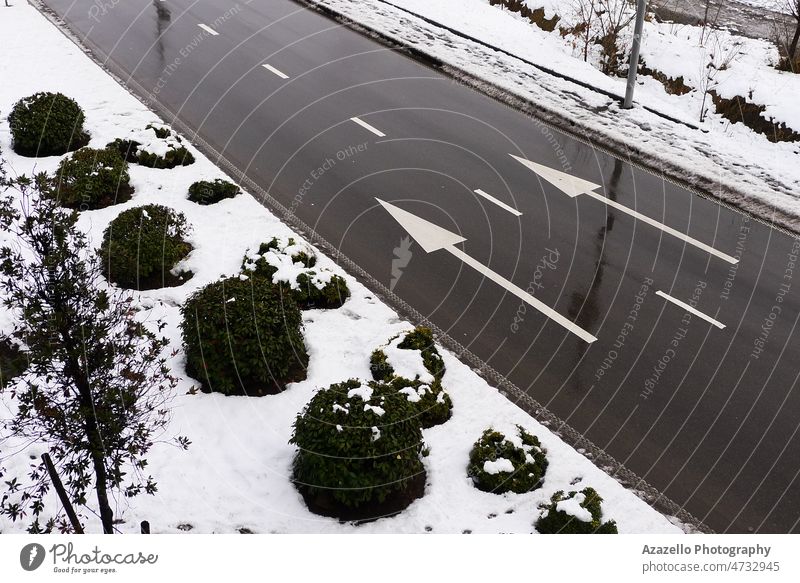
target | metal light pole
[{"x": 633, "y": 64}]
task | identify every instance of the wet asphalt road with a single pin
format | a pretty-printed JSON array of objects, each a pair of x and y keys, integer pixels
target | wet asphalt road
[{"x": 709, "y": 416}]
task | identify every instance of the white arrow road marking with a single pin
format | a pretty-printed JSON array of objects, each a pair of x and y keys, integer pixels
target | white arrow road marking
[
  {"x": 573, "y": 186},
  {"x": 667, "y": 229},
  {"x": 690, "y": 309},
  {"x": 433, "y": 237},
  {"x": 366, "y": 126},
  {"x": 499, "y": 203},
  {"x": 208, "y": 29},
  {"x": 567, "y": 183},
  {"x": 429, "y": 236},
  {"x": 522, "y": 294},
  {"x": 274, "y": 70}
]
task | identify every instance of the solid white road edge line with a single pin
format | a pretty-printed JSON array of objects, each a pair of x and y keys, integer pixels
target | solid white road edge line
[
  {"x": 366, "y": 126},
  {"x": 274, "y": 70},
  {"x": 690, "y": 309},
  {"x": 499, "y": 203},
  {"x": 208, "y": 29}
]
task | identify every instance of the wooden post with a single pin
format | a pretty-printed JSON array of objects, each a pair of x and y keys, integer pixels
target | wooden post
[{"x": 62, "y": 494}]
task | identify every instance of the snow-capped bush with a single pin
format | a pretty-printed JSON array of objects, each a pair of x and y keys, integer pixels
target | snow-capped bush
[
  {"x": 154, "y": 147},
  {"x": 207, "y": 192},
  {"x": 432, "y": 403},
  {"x": 243, "y": 337},
  {"x": 412, "y": 365},
  {"x": 500, "y": 464},
  {"x": 47, "y": 124},
  {"x": 142, "y": 246},
  {"x": 91, "y": 179},
  {"x": 284, "y": 261},
  {"x": 359, "y": 451},
  {"x": 420, "y": 340},
  {"x": 575, "y": 513}
]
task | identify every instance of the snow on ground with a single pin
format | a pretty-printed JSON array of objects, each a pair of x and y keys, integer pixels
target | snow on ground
[
  {"x": 235, "y": 475},
  {"x": 406, "y": 363},
  {"x": 745, "y": 68},
  {"x": 501, "y": 464},
  {"x": 572, "y": 506},
  {"x": 727, "y": 160}
]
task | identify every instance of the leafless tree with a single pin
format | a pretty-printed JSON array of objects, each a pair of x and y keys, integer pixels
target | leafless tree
[
  {"x": 615, "y": 16},
  {"x": 584, "y": 31},
  {"x": 786, "y": 31},
  {"x": 718, "y": 53},
  {"x": 710, "y": 19},
  {"x": 793, "y": 9},
  {"x": 602, "y": 22}
]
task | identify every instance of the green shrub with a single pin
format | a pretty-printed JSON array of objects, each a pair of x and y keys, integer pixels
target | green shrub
[
  {"x": 92, "y": 179},
  {"x": 162, "y": 133},
  {"x": 299, "y": 252},
  {"x": 359, "y": 451},
  {"x": 47, "y": 124},
  {"x": 13, "y": 362},
  {"x": 320, "y": 289},
  {"x": 142, "y": 246},
  {"x": 283, "y": 260},
  {"x": 206, "y": 192},
  {"x": 559, "y": 517},
  {"x": 243, "y": 337},
  {"x": 499, "y": 464},
  {"x": 380, "y": 367},
  {"x": 420, "y": 338},
  {"x": 429, "y": 398},
  {"x": 155, "y": 147},
  {"x": 431, "y": 402}
]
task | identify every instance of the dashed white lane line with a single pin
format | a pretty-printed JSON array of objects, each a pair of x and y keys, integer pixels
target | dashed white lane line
[
  {"x": 366, "y": 126},
  {"x": 691, "y": 310},
  {"x": 274, "y": 70},
  {"x": 499, "y": 203},
  {"x": 208, "y": 29}
]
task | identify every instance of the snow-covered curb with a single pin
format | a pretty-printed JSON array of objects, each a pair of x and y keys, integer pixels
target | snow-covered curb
[
  {"x": 748, "y": 172},
  {"x": 235, "y": 475}
]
